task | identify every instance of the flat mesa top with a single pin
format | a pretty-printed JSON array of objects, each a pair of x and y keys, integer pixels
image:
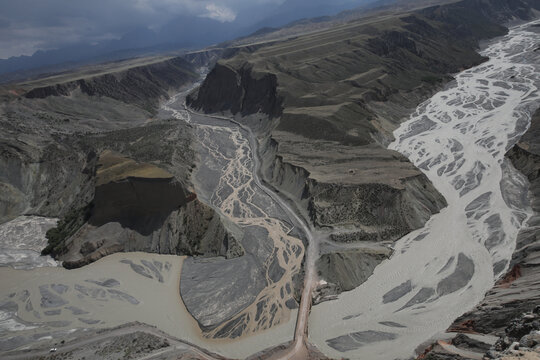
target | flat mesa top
[{"x": 116, "y": 167}]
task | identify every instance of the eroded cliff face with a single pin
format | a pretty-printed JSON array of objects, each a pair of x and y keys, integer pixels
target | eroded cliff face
[
  {"x": 141, "y": 207},
  {"x": 371, "y": 207},
  {"x": 46, "y": 160},
  {"x": 137, "y": 195},
  {"x": 143, "y": 86},
  {"x": 239, "y": 91}
]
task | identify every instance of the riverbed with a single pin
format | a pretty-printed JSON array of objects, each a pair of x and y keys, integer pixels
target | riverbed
[{"x": 458, "y": 138}]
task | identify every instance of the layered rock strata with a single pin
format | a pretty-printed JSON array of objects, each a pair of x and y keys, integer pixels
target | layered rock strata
[{"x": 143, "y": 86}]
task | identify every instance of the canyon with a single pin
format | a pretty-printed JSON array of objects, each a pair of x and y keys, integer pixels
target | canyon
[{"x": 345, "y": 193}]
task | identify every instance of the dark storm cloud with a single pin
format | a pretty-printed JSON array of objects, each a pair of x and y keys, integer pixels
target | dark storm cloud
[
  {"x": 30, "y": 25},
  {"x": 4, "y": 23}
]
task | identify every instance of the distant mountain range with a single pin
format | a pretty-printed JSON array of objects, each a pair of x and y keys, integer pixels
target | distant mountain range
[{"x": 183, "y": 32}]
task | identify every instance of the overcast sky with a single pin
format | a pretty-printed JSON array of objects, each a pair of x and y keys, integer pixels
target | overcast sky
[{"x": 30, "y": 25}]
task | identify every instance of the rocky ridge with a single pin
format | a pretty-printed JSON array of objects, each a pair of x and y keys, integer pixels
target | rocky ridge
[
  {"x": 142, "y": 86},
  {"x": 520, "y": 339}
]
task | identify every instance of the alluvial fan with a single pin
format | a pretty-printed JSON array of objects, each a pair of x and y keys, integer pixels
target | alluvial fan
[
  {"x": 239, "y": 295},
  {"x": 255, "y": 291},
  {"x": 458, "y": 138}
]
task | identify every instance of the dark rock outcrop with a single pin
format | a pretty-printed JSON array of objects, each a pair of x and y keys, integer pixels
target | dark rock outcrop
[
  {"x": 138, "y": 196},
  {"x": 140, "y": 207},
  {"x": 239, "y": 91},
  {"x": 520, "y": 339}
]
